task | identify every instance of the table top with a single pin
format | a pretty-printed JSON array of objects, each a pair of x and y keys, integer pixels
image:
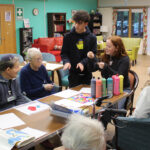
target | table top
[
  {"x": 46, "y": 122},
  {"x": 50, "y": 66}
]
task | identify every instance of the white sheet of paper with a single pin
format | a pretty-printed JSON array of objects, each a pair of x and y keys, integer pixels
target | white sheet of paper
[
  {"x": 52, "y": 67},
  {"x": 68, "y": 103},
  {"x": 67, "y": 93},
  {"x": 10, "y": 120},
  {"x": 33, "y": 132},
  {"x": 86, "y": 90},
  {"x": 32, "y": 107}
]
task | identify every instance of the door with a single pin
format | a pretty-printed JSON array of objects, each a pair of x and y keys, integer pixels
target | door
[{"x": 7, "y": 29}]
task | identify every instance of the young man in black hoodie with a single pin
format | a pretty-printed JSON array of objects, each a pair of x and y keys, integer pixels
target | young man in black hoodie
[{"x": 77, "y": 43}]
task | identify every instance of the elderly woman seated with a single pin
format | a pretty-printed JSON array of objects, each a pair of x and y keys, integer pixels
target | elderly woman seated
[
  {"x": 34, "y": 79},
  {"x": 83, "y": 133}
]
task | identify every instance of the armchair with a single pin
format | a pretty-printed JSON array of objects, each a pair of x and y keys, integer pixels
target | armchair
[
  {"x": 132, "y": 133},
  {"x": 51, "y": 45},
  {"x": 132, "y": 46},
  {"x": 100, "y": 45}
]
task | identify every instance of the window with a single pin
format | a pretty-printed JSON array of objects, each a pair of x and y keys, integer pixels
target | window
[
  {"x": 137, "y": 25},
  {"x": 122, "y": 23},
  {"x": 129, "y": 23}
]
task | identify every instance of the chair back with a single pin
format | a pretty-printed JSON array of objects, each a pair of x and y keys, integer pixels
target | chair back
[
  {"x": 48, "y": 57},
  {"x": 134, "y": 81},
  {"x": 132, "y": 133},
  {"x": 16, "y": 55},
  {"x": 129, "y": 43},
  {"x": 63, "y": 77}
]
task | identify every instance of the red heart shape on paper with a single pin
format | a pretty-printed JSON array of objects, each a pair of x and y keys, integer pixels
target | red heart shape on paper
[{"x": 32, "y": 108}]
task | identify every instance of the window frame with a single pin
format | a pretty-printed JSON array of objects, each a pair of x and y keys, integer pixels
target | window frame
[{"x": 130, "y": 28}]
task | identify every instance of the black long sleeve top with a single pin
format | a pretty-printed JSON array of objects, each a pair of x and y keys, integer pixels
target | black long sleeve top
[{"x": 118, "y": 66}]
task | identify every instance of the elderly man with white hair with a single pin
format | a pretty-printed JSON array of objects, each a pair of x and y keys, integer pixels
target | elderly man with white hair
[
  {"x": 34, "y": 79},
  {"x": 83, "y": 133}
]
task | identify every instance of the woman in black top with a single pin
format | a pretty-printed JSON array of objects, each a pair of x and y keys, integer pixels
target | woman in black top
[{"x": 114, "y": 61}]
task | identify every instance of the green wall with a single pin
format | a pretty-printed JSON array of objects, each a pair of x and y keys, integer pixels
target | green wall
[{"x": 39, "y": 22}]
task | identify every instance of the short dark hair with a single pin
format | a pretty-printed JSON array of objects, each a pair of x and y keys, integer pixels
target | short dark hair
[
  {"x": 7, "y": 61},
  {"x": 81, "y": 16}
]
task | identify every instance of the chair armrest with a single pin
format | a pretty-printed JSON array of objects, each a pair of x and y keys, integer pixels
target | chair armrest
[
  {"x": 135, "y": 48},
  {"x": 101, "y": 45},
  {"x": 134, "y": 52}
]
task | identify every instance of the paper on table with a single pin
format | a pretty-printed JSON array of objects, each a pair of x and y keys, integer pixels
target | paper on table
[
  {"x": 86, "y": 90},
  {"x": 68, "y": 103},
  {"x": 52, "y": 67},
  {"x": 67, "y": 93},
  {"x": 4, "y": 144},
  {"x": 10, "y": 120},
  {"x": 33, "y": 132},
  {"x": 32, "y": 107}
]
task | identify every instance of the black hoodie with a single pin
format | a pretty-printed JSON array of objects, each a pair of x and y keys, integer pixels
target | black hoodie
[{"x": 75, "y": 48}]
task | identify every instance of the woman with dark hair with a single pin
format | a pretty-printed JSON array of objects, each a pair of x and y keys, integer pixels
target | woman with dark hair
[{"x": 114, "y": 61}]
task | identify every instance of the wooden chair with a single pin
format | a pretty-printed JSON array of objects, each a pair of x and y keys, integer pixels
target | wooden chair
[{"x": 134, "y": 81}]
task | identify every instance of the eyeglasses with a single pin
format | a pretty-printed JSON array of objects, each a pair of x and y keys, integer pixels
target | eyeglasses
[{"x": 38, "y": 59}]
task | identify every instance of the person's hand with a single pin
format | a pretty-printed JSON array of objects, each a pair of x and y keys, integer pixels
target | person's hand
[
  {"x": 67, "y": 66},
  {"x": 80, "y": 66},
  {"x": 90, "y": 55},
  {"x": 101, "y": 65},
  {"x": 48, "y": 86}
]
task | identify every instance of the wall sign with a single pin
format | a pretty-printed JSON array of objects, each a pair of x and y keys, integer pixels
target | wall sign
[{"x": 19, "y": 13}]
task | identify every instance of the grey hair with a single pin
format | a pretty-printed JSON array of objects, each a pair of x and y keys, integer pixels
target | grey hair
[
  {"x": 4, "y": 64},
  {"x": 32, "y": 52},
  {"x": 83, "y": 133}
]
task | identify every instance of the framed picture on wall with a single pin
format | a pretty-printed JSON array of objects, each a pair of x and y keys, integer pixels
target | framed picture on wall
[{"x": 73, "y": 12}]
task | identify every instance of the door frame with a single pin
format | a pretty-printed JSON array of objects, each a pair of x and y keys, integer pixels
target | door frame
[{"x": 14, "y": 48}]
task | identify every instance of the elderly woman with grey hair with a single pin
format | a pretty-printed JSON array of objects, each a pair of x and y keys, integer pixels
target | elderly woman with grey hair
[
  {"x": 34, "y": 79},
  {"x": 10, "y": 94},
  {"x": 83, "y": 133}
]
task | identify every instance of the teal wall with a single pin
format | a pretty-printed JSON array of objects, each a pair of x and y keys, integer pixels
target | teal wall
[{"x": 39, "y": 22}]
